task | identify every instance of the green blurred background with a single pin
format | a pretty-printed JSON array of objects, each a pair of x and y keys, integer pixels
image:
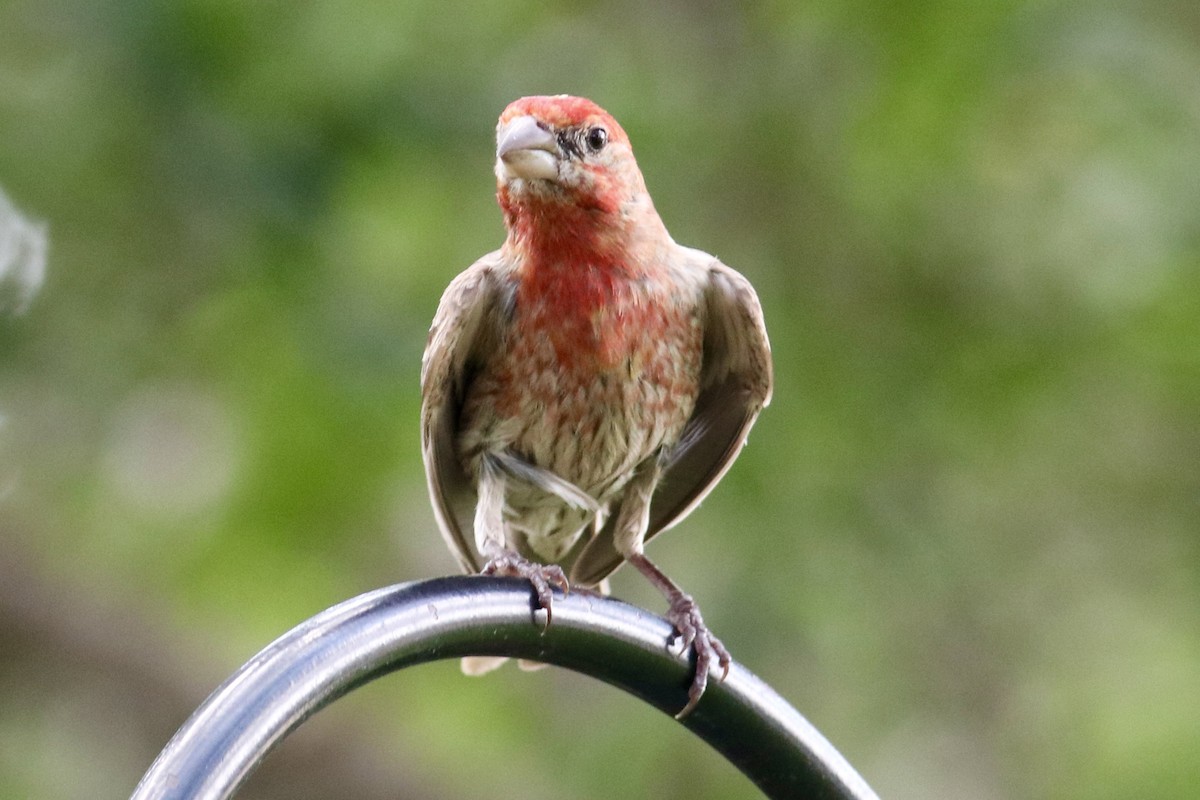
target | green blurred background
[{"x": 962, "y": 541}]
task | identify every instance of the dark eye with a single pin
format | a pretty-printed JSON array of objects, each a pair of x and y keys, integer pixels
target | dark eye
[{"x": 596, "y": 139}]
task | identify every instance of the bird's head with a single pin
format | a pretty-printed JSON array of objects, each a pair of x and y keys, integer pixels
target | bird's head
[{"x": 567, "y": 152}]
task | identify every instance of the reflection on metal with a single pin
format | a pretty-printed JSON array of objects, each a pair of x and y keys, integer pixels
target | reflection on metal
[{"x": 389, "y": 629}]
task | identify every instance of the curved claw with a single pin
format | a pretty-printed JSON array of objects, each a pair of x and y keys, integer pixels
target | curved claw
[
  {"x": 693, "y": 633},
  {"x": 542, "y": 576}
]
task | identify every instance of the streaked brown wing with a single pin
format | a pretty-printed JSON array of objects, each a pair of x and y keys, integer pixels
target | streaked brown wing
[
  {"x": 465, "y": 328},
  {"x": 735, "y": 385}
]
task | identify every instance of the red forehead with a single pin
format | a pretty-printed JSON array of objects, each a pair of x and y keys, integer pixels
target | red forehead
[{"x": 562, "y": 111}]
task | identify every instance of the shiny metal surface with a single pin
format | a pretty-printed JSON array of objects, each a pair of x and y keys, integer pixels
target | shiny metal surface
[{"x": 389, "y": 629}]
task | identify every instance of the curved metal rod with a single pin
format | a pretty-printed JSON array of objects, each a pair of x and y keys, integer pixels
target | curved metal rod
[{"x": 396, "y": 627}]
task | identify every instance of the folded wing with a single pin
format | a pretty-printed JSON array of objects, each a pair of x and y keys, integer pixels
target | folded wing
[{"x": 467, "y": 326}]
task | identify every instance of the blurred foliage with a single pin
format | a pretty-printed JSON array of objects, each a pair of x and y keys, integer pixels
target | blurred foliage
[{"x": 962, "y": 540}]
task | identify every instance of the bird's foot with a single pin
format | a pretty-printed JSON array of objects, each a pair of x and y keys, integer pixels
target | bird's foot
[
  {"x": 542, "y": 576},
  {"x": 684, "y": 614}
]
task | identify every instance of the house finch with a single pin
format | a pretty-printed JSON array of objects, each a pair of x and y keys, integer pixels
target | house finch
[{"x": 587, "y": 384}]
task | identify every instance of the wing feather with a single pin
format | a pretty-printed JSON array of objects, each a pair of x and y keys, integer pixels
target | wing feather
[{"x": 468, "y": 324}]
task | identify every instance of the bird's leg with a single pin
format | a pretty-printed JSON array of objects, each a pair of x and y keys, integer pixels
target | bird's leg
[
  {"x": 683, "y": 612},
  {"x": 492, "y": 543},
  {"x": 541, "y": 576}
]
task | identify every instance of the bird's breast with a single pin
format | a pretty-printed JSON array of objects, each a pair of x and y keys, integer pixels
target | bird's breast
[{"x": 589, "y": 381}]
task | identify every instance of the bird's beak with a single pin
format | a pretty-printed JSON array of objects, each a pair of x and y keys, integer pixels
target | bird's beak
[{"x": 524, "y": 149}]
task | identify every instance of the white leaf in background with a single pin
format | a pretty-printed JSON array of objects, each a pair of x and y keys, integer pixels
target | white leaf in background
[{"x": 22, "y": 257}]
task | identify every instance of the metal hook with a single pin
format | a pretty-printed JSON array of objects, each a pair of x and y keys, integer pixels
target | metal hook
[{"x": 399, "y": 626}]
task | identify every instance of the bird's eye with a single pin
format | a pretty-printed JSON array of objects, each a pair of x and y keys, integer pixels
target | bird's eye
[{"x": 596, "y": 139}]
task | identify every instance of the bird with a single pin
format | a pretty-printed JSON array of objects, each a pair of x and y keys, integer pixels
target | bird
[{"x": 586, "y": 385}]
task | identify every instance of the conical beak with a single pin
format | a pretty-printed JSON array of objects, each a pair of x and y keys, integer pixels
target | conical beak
[{"x": 524, "y": 149}]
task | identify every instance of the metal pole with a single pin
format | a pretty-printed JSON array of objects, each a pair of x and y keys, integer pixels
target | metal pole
[{"x": 389, "y": 629}]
